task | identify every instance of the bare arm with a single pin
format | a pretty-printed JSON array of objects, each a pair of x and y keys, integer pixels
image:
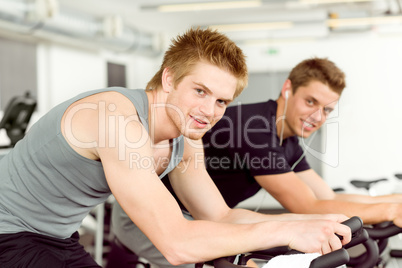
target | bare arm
[
  {"x": 391, "y": 198},
  {"x": 201, "y": 197},
  {"x": 323, "y": 191},
  {"x": 199, "y": 194},
  {"x": 148, "y": 203},
  {"x": 310, "y": 194}
]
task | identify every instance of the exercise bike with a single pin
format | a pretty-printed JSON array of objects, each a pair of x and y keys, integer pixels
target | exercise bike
[{"x": 330, "y": 260}]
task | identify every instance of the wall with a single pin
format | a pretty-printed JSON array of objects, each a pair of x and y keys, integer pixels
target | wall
[
  {"x": 64, "y": 71},
  {"x": 67, "y": 71}
]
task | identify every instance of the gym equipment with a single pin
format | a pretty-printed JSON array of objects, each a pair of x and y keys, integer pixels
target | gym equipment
[
  {"x": 16, "y": 117},
  {"x": 330, "y": 260}
]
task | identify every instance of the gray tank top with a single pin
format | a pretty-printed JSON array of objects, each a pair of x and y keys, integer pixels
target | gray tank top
[{"x": 48, "y": 188}]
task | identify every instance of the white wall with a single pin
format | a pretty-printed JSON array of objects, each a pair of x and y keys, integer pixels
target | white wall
[
  {"x": 363, "y": 139},
  {"x": 65, "y": 71}
]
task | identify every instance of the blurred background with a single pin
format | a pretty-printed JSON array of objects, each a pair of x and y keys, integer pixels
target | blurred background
[{"x": 56, "y": 49}]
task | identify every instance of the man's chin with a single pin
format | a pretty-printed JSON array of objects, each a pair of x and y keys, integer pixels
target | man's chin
[
  {"x": 194, "y": 135},
  {"x": 306, "y": 134}
]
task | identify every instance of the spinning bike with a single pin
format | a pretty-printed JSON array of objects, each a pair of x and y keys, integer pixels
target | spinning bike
[{"x": 330, "y": 260}]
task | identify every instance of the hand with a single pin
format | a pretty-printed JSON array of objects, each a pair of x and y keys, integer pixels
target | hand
[{"x": 317, "y": 235}]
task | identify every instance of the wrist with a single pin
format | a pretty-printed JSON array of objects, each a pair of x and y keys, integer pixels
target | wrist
[
  {"x": 392, "y": 212},
  {"x": 278, "y": 233}
]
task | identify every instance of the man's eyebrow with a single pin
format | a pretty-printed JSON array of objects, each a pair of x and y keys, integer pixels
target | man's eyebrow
[
  {"x": 325, "y": 106},
  {"x": 204, "y": 87}
]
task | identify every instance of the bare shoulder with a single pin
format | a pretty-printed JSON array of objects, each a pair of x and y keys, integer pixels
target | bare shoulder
[
  {"x": 108, "y": 102},
  {"x": 95, "y": 121},
  {"x": 113, "y": 102}
]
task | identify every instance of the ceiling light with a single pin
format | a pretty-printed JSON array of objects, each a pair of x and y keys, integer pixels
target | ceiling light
[
  {"x": 253, "y": 26},
  {"x": 278, "y": 41},
  {"x": 331, "y": 1},
  {"x": 334, "y": 23},
  {"x": 208, "y": 6}
]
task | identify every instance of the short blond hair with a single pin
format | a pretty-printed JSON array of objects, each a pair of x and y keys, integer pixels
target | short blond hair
[{"x": 207, "y": 45}]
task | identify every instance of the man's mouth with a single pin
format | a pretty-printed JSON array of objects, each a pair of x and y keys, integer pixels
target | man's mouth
[
  {"x": 199, "y": 121},
  {"x": 308, "y": 125}
]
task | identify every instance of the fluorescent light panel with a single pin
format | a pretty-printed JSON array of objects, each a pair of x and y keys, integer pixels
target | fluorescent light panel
[
  {"x": 364, "y": 21},
  {"x": 253, "y": 26},
  {"x": 237, "y": 4},
  {"x": 349, "y": 22},
  {"x": 331, "y": 1},
  {"x": 209, "y": 6}
]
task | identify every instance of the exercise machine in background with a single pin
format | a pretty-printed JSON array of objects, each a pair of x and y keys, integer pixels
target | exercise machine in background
[{"x": 16, "y": 117}]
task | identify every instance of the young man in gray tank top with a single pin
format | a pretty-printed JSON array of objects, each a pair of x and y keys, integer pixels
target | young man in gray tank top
[{"x": 118, "y": 141}]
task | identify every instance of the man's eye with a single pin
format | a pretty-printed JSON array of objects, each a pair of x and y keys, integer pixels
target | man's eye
[
  {"x": 309, "y": 102},
  {"x": 327, "y": 111},
  {"x": 200, "y": 91},
  {"x": 222, "y": 102}
]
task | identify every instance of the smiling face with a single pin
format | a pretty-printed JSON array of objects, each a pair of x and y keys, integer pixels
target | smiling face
[
  {"x": 308, "y": 108},
  {"x": 200, "y": 99}
]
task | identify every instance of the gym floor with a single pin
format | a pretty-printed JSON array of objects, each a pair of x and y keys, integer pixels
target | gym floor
[{"x": 394, "y": 243}]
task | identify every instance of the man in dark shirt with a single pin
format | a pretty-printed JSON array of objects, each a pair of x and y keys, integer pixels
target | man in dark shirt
[
  {"x": 256, "y": 146},
  {"x": 233, "y": 163}
]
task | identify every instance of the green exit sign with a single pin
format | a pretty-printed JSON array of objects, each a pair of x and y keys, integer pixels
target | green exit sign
[{"x": 273, "y": 51}]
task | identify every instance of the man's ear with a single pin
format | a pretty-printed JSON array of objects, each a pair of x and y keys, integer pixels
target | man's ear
[
  {"x": 167, "y": 80},
  {"x": 286, "y": 91}
]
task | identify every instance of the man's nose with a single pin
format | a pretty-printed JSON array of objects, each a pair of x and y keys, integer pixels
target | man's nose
[
  {"x": 207, "y": 108},
  {"x": 317, "y": 116}
]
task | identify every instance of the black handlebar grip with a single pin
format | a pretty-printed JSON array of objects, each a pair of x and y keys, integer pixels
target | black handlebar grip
[
  {"x": 334, "y": 259},
  {"x": 355, "y": 224},
  {"x": 384, "y": 232}
]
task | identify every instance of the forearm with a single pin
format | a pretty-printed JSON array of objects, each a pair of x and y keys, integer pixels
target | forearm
[
  {"x": 203, "y": 240},
  {"x": 393, "y": 198},
  {"x": 369, "y": 213},
  {"x": 245, "y": 216}
]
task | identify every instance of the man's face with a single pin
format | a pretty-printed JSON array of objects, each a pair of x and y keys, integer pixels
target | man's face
[
  {"x": 309, "y": 107},
  {"x": 200, "y": 99}
]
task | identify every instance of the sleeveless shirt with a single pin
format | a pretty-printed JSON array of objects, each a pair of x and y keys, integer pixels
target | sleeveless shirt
[{"x": 48, "y": 188}]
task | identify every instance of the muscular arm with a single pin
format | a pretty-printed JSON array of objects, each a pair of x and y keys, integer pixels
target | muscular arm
[
  {"x": 323, "y": 191},
  {"x": 306, "y": 192},
  {"x": 200, "y": 196},
  {"x": 148, "y": 203},
  {"x": 391, "y": 198}
]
